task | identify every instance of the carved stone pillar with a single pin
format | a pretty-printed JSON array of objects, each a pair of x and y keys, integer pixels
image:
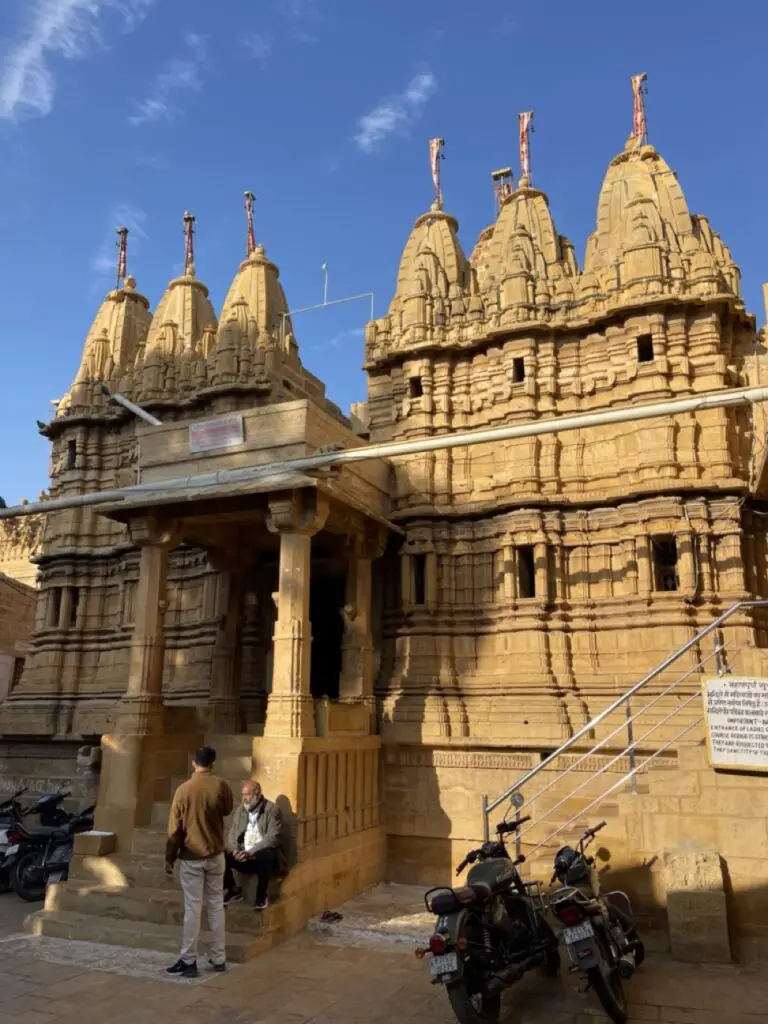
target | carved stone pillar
[
  {"x": 541, "y": 569},
  {"x": 141, "y": 709},
  {"x": 295, "y": 516},
  {"x": 644, "y": 558},
  {"x": 226, "y": 716},
  {"x": 356, "y": 683}
]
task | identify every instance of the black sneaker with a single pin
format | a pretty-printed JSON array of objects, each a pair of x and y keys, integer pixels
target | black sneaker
[
  {"x": 183, "y": 970},
  {"x": 236, "y": 896},
  {"x": 261, "y": 904},
  {"x": 219, "y": 968}
]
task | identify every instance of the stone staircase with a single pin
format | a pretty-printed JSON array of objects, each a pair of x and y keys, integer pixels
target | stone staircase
[{"x": 125, "y": 898}]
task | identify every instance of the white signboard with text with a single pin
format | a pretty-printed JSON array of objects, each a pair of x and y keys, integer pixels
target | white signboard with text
[
  {"x": 736, "y": 712},
  {"x": 221, "y": 432}
]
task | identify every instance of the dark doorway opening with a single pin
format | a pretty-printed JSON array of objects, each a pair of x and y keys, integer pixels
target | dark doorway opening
[{"x": 326, "y": 599}]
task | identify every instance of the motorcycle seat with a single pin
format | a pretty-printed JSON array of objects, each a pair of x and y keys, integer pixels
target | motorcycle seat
[
  {"x": 47, "y": 832},
  {"x": 448, "y": 901}
]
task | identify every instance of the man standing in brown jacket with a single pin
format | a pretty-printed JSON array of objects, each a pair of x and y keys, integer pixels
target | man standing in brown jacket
[{"x": 196, "y": 839}]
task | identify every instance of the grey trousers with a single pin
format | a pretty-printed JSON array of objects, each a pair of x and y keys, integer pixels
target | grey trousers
[{"x": 202, "y": 882}]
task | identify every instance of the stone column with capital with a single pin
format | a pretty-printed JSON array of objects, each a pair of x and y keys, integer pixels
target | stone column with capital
[
  {"x": 356, "y": 683},
  {"x": 226, "y": 716},
  {"x": 141, "y": 709},
  {"x": 296, "y": 517}
]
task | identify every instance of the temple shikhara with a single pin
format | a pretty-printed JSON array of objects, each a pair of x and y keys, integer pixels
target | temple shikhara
[{"x": 383, "y": 642}]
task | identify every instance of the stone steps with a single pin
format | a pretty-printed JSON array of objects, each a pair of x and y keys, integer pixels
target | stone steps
[
  {"x": 67, "y": 924},
  {"x": 155, "y": 906}
]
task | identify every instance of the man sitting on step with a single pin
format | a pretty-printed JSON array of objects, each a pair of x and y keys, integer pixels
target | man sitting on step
[{"x": 254, "y": 845}]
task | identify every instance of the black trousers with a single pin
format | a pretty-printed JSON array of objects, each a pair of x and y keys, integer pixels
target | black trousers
[{"x": 262, "y": 864}]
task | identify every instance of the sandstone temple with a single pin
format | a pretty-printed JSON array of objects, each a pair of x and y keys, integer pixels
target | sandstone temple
[{"x": 384, "y": 642}]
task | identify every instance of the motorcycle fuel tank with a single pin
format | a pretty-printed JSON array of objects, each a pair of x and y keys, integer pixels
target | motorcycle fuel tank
[{"x": 497, "y": 873}]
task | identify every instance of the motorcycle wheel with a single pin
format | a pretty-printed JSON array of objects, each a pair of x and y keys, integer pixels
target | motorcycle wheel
[
  {"x": 473, "y": 1009},
  {"x": 607, "y": 986},
  {"x": 29, "y": 890}
]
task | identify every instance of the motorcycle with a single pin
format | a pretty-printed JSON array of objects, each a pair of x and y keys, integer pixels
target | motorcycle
[
  {"x": 598, "y": 930},
  {"x": 49, "y": 812},
  {"x": 10, "y": 812},
  {"x": 40, "y": 856},
  {"x": 489, "y": 933}
]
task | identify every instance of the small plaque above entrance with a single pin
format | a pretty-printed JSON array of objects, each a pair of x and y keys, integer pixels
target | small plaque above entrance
[
  {"x": 221, "y": 432},
  {"x": 737, "y": 723}
]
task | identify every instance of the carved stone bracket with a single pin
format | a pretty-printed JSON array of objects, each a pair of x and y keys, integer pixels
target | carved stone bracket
[
  {"x": 149, "y": 530},
  {"x": 301, "y": 511}
]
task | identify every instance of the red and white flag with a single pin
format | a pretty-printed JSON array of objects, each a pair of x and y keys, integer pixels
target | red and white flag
[
  {"x": 250, "y": 237},
  {"x": 435, "y": 156},
  {"x": 122, "y": 254},
  {"x": 639, "y": 125},
  {"x": 526, "y": 120}
]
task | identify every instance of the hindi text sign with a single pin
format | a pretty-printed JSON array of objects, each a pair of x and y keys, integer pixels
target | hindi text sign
[
  {"x": 221, "y": 432},
  {"x": 737, "y": 722}
]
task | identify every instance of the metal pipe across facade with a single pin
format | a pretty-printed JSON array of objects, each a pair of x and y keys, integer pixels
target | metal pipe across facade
[{"x": 557, "y": 424}]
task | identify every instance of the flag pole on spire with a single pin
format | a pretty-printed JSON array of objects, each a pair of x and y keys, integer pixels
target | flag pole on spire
[
  {"x": 122, "y": 256},
  {"x": 526, "y": 127},
  {"x": 435, "y": 156},
  {"x": 189, "y": 244},
  {"x": 639, "y": 121},
  {"x": 250, "y": 243}
]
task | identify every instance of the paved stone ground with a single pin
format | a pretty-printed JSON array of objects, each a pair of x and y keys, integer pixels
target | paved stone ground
[{"x": 314, "y": 979}]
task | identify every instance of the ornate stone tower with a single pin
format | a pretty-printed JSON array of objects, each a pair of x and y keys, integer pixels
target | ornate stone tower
[
  {"x": 180, "y": 364},
  {"x": 540, "y": 577}
]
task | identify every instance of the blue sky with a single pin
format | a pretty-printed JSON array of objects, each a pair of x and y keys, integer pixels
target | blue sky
[{"x": 133, "y": 110}]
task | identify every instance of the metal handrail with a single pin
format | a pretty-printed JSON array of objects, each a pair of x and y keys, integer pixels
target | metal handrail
[
  {"x": 627, "y": 725},
  {"x": 619, "y": 702},
  {"x": 617, "y": 785}
]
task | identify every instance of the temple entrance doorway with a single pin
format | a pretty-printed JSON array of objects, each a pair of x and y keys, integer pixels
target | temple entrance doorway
[{"x": 326, "y": 599}]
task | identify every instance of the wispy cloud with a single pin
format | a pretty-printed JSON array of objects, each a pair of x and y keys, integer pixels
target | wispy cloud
[
  {"x": 259, "y": 46},
  {"x": 56, "y": 28},
  {"x": 300, "y": 15},
  {"x": 340, "y": 339},
  {"x": 182, "y": 74},
  {"x": 395, "y": 114},
  {"x": 124, "y": 215},
  {"x": 153, "y": 161}
]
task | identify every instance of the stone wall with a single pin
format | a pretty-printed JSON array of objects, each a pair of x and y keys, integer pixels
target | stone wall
[
  {"x": 720, "y": 814},
  {"x": 17, "y": 618}
]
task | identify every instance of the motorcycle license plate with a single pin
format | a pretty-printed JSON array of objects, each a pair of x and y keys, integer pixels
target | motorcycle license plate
[
  {"x": 578, "y": 932},
  {"x": 445, "y": 964}
]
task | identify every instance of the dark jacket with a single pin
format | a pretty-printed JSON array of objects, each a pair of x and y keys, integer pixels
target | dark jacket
[
  {"x": 196, "y": 820},
  {"x": 270, "y": 822}
]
